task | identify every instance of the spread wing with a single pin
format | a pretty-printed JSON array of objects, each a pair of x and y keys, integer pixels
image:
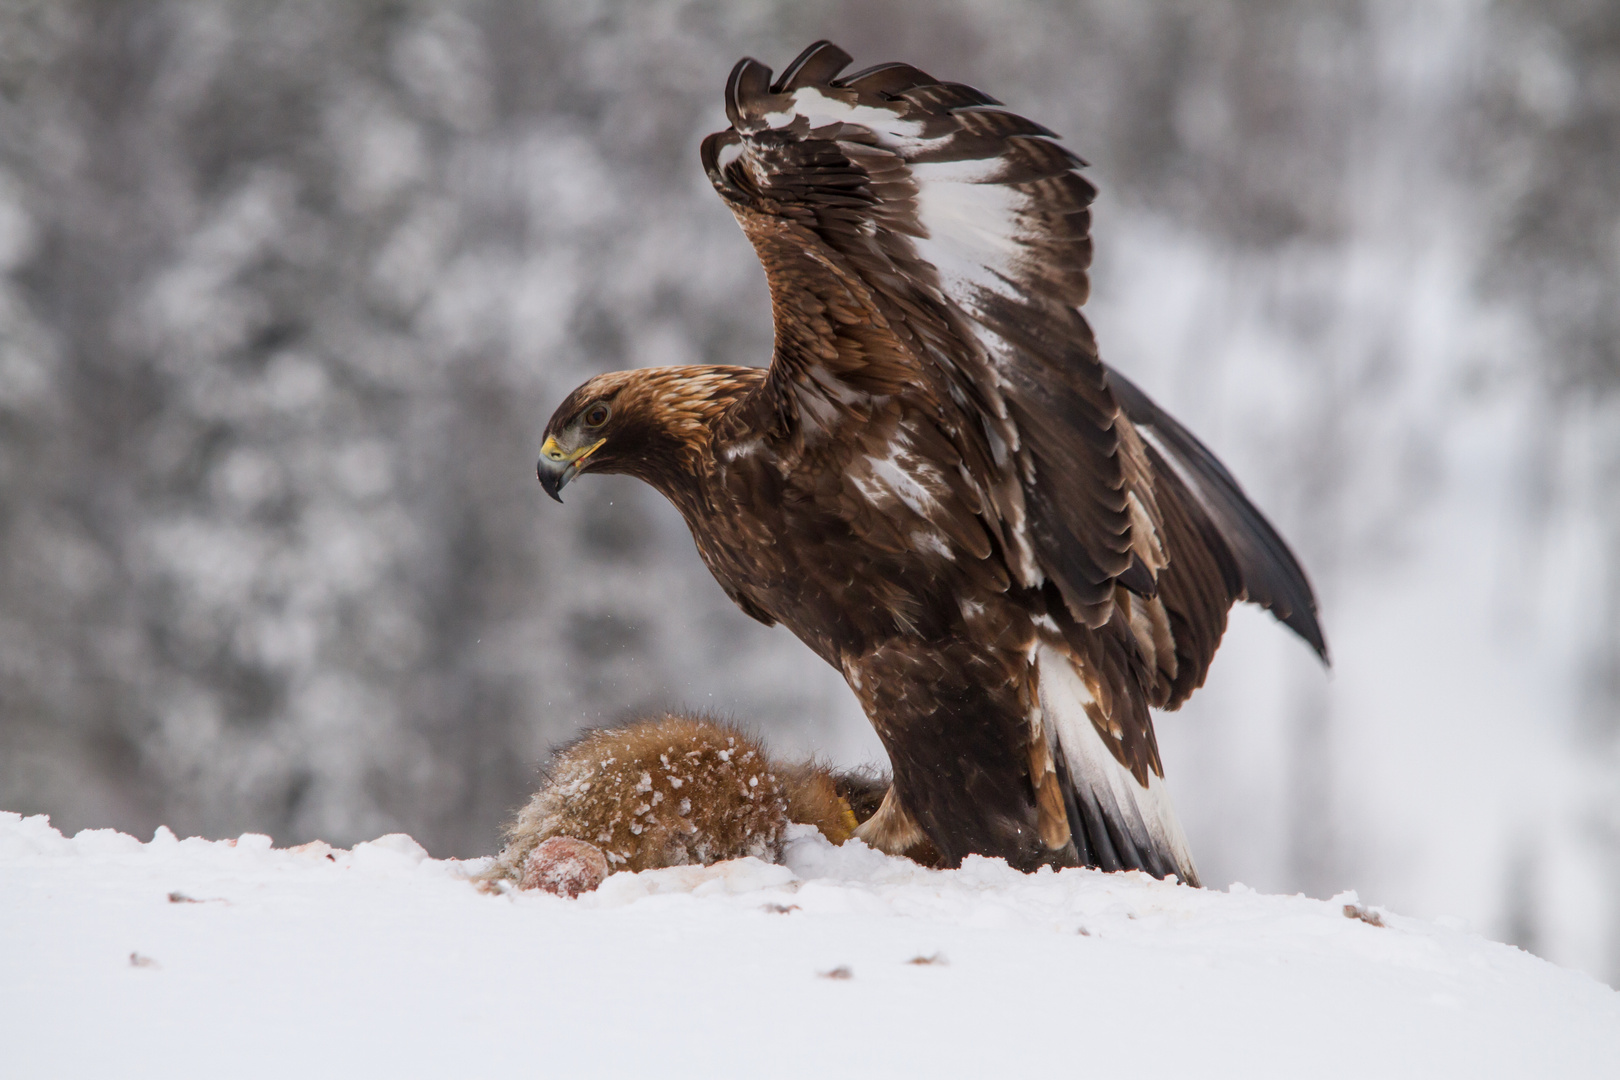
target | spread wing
[
  {"x": 924, "y": 244},
  {"x": 921, "y": 242}
]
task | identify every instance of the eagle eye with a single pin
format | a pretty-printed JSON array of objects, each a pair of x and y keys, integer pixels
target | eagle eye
[{"x": 597, "y": 414}]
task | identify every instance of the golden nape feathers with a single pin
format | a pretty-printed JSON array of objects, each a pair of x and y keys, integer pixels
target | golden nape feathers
[{"x": 675, "y": 790}]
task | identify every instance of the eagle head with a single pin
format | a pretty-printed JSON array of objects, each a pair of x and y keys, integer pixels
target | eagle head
[{"x": 651, "y": 423}]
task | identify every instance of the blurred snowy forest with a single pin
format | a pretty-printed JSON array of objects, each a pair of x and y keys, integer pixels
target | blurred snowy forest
[{"x": 289, "y": 289}]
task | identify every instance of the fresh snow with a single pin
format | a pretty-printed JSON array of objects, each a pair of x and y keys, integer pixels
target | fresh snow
[{"x": 236, "y": 959}]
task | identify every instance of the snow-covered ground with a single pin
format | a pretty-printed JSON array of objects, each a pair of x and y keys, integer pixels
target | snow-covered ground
[{"x": 235, "y": 959}]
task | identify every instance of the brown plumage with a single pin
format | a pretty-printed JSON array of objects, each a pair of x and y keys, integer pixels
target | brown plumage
[{"x": 1009, "y": 551}]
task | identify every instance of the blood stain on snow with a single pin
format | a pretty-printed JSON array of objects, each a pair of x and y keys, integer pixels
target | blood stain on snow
[{"x": 1364, "y": 913}]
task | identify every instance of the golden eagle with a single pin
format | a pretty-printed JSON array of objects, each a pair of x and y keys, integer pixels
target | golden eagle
[{"x": 1009, "y": 551}]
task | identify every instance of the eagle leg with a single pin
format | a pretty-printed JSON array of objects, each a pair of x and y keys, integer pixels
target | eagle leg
[
  {"x": 891, "y": 830},
  {"x": 955, "y": 719}
]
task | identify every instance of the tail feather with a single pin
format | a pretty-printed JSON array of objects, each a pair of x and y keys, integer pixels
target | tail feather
[{"x": 1116, "y": 822}]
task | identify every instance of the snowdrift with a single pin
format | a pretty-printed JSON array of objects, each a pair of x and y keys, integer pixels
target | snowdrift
[{"x": 233, "y": 958}]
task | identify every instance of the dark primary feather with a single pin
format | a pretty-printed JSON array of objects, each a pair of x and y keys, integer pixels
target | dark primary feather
[{"x": 1271, "y": 576}]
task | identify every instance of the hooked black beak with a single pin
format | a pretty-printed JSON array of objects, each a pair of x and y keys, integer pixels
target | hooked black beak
[
  {"x": 557, "y": 466},
  {"x": 554, "y": 475}
]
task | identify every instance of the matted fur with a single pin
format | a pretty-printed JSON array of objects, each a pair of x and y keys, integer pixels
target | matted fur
[
  {"x": 679, "y": 790},
  {"x": 814, "y": 799}
]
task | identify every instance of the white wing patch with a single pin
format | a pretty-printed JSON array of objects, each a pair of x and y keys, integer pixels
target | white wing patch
[
  {"x": 821, "y": 110},
  {"x": 729, "y": 154},
  {"x": 900, "y": 475},
  {"x": 909, "y": 478},
  {"x": 972, "y": 222},
  {"x": 932, "y": 541},
  {"x": 973, "y": 235}
]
